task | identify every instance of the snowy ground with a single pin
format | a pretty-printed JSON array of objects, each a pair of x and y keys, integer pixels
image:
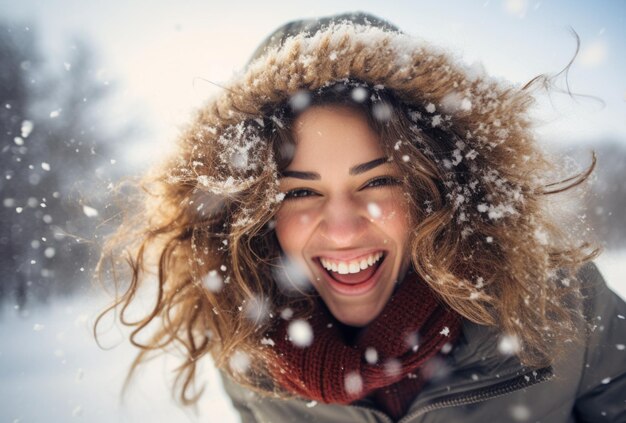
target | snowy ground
[{"x": 52, "y": 371}]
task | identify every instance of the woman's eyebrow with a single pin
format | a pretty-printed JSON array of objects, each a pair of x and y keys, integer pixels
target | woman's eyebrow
[
  {"x": 354, "y": 170},
  {"x": 364, "y": 167},
  {"x": 309, "y": 176}
]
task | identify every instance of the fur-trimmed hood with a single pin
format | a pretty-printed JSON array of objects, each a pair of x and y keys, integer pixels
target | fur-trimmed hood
[
  {"x": 487, "y": 118},
  {"x": 479, "y": 107}
]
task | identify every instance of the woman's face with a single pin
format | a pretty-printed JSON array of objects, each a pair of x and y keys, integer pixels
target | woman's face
[{"x": 344, "y": 221}]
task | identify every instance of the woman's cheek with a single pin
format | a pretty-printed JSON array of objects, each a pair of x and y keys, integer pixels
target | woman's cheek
[
  {"x": 291, "y": 227},
  {"x": 387, "y": 209}
]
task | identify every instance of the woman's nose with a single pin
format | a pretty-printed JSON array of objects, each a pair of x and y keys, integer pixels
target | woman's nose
[{"x": 344, "y": 222}]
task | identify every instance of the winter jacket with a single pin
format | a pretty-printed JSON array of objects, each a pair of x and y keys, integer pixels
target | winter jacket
[{"x": 482, "y": 384}]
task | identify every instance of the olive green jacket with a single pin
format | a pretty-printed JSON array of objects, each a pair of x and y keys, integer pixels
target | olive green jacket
[{"x": 480, "y": 384}]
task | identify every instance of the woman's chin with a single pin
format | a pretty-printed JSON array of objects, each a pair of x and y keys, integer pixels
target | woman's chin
[{"x": 357, "y": 315}]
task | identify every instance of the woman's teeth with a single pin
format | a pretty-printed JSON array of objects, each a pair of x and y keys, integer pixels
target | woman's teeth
[{"x": 352, "y": 266}]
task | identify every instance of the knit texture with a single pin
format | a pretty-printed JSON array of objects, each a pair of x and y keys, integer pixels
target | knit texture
[{"x": 412, "y": 328}]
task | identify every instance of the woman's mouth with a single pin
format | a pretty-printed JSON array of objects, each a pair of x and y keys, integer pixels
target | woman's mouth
[{"x": 354, "y": 276}]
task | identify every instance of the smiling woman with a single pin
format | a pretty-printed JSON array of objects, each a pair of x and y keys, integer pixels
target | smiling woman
[
  {"x": 356, "y": 230},
  {"x": 344, "y": 217}
]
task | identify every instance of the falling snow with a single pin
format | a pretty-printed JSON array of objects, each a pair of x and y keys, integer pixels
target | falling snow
[
  {"x": 371, "y": 355},
  {"x": 90, "y": 211},
  {"x": 374, "y": 210},
  {"x": 520, "y": 413},
  {"x": 353, "y": 383},
  {"x": 239, "y": 362},
  {"x": 359, "y": 94},
  {"x": 213, "y": 281},
  {"x": 509, "y": 345},
  {"x": 447, "y": 348},
  {"x": 286, "y": 313},
  {"x": 300, "y": 333},
  {"x": 300, "y": 100},
  {"x": 26, "y": 129},
  {"x": 382, "y": 112},
  {"x": 267, "y": 341}
]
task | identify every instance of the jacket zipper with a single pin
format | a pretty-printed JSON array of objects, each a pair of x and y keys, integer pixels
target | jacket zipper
[
  {"x": 483, "y": 394},
  {"x": 477, "y": 395}
]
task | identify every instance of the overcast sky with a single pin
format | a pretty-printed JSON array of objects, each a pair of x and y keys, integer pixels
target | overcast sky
[{"x": 162, "y": 53}]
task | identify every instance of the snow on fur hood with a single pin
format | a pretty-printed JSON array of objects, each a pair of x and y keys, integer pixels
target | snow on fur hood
[
  {"x": 418, "y": 73},
  {"x": 223, "y": 150}
]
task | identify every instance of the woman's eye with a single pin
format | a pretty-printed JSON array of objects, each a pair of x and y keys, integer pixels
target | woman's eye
[
  {"x": 382, "y": 181},
  {"x": 298, "y": 193}
]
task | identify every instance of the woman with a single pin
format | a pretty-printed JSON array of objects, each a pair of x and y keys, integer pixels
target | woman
[{"x": 356, "y": 230}]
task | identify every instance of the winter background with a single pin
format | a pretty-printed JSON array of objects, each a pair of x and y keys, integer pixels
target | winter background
[{"x": 92, "y": 92}]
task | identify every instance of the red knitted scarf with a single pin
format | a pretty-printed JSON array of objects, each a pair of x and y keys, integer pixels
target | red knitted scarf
[{"x": 384, "y": 362}]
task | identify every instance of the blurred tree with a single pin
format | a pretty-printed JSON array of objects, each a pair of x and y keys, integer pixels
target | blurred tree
[{"x": 56, "y": 151}]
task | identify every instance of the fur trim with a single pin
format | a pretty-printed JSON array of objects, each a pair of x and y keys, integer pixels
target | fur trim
[
  {"x": 417, "y": 73},
  {"x": 488, "y": 117}
]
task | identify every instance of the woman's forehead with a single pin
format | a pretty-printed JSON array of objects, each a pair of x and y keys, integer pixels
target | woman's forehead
[{"x": 324, "y": 133}]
